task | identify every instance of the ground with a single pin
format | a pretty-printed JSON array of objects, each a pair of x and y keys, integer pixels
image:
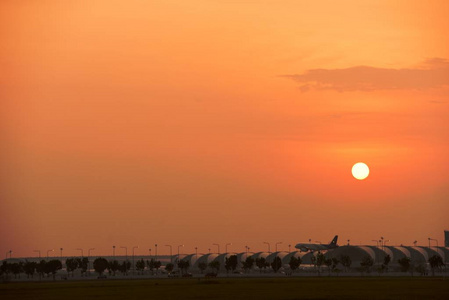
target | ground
[{"x": 233, "y": 288}]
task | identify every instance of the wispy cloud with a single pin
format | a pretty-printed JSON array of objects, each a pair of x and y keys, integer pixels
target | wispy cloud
[{"x": 433, "y": 73}]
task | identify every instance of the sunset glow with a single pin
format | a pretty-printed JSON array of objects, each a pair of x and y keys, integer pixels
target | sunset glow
[{"x": 201, "y": 122}]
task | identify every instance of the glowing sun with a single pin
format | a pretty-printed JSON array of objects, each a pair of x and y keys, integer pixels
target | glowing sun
[{"x": 360, "y": 171}]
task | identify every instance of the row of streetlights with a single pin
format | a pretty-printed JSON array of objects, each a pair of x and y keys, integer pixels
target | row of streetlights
[{"x": 382, "y": 242}]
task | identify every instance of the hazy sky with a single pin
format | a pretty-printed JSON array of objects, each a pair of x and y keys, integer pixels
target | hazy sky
[{"x": 131, "y": 123}]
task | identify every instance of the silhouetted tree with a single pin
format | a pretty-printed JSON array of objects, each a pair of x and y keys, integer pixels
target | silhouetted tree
[
  {"x": 16, "y": 268},
  {"x": 436, "y": 263},
  {"x": 335, "y": 263},
  {"x": 328, "y": 264},
  {"x": 29, "y": 268},
  {"x": 261, "y": 263},
  {"x": 72, "y": 265},
  {"x": 386, "y": 262},
  {"x": 215, "y": 265},
  {"x": 140, "y": 266},
  {"x": 150, "y": 265},
  {"x": 404, "y": 263},
  {"x": 231, "y": 263},
  {"x": 346, "y": 262},
  {"x": 320, "y": 258},
  {"x": 366, "y": 263},
  {"x": 202, "y": 266},
  {"x": 53, "y": 266},
  {"x": 169, "y": 267},
  {"x": 83, "y": 264},
  {"x": 113, "y": 267},
  {"x": 100, "y": 264},
  {"x": 276, "y": 264},
  {"x": 294, "y": 263},
  {"x": 248, "y": 263},
  {"x": 124, "y": 267},
  {"x": 157, "y": 265},
  {"x": 183, "y": 265},
  {"x": 40, "y": 268}
]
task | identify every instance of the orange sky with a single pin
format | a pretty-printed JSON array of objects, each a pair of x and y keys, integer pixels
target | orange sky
[{"x": 131, "y": 123}]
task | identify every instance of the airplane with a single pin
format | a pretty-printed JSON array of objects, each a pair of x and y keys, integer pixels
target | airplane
[{"x": 318, "y": 247}]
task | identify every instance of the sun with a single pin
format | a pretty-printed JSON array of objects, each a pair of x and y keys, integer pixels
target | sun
[{"x": 360, "y": 171}]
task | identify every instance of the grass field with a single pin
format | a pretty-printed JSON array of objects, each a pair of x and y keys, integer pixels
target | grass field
[{"x": 233, "y": 288}]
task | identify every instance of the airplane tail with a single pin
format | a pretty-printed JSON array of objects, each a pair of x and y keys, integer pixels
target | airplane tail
[{"x": 334, "y": 241}]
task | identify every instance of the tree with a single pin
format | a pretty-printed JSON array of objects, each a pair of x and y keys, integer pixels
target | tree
[
  {"x": 83, "y": 264},
  {"x": 169, "y": 267},
  {"x": 231, "y": 263},
  {"x": 346, "y": 262},
  {"x": 261, "y": 262},
  {"x": 276, "y": 264},
  {"x": 320, "y": 258},
  {"x": 124, "y": 267},
  {"x": 100, "y": 264},
  {"x": 421, "y": 269},
  {"x": 157, "y": 265},
  {"x": 386, "y": 262},
  {"x": 202, "y": 266},
  {"x": 113, "y": 267},
  {"x": 404, "y": 263},
  {"x": 29, "y": 268},
  {"x": 40, "y": 268},
  {"x": 52, "y": 267},
  {"x": 436, "y": 263},
  {"x": 294, "y": 263},
  {"x": 215, "y": 265},
  {"x": 140, "y": 266},
  {"x": 248, "y": 263},
  {"x": 183, "y": 265},
  {"x": 335, "y": 263},
  {"x": 328, "y": 264},
  {"x": 150, "y": 265},
  {"x": 366, "y": 263},
  {"x": 16, "y": 269},
  {"x": 72, "y": 265}
]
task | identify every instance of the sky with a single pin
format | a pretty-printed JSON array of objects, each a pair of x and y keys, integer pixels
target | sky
[{"x": 135, "y": 123}]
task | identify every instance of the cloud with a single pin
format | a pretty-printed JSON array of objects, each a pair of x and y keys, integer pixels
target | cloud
[{"x": 433, "y": 73}]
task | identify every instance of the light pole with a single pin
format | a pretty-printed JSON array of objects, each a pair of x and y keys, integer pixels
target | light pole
[
  {"x": 48, "y": 252},
  {"x": 150, "y": 252},
  {"x": 39, "y": 251},
  {"x": 113, "y": 252},
  {"x": 289, "y": 248},
  {"x": 171, "y": 253},
  {"x": 268, "y": 246},
  {"x": 276, "y": 245},
  {"x": 196, "y": 252},
  {"x": 10, "y": 252},
  {"x": 155, "y": 246},
  {"x": 382, "y": 242},
  {"x": 134, "y": 266},
  {"x": 179, "y": 246},
  {"x": 209, "y": 250},
  {"x": 226, "y": 247},
  {"x": 60, "y": 249},
  {"x": 82, "y": 252},
  {"x": 414, "y": 243},
  {"x": 430, "y": 239},
  {"x": 218, "y": 247},
  {"x": 348, "y": 242},
  {"x": 247, "y": 248}
]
